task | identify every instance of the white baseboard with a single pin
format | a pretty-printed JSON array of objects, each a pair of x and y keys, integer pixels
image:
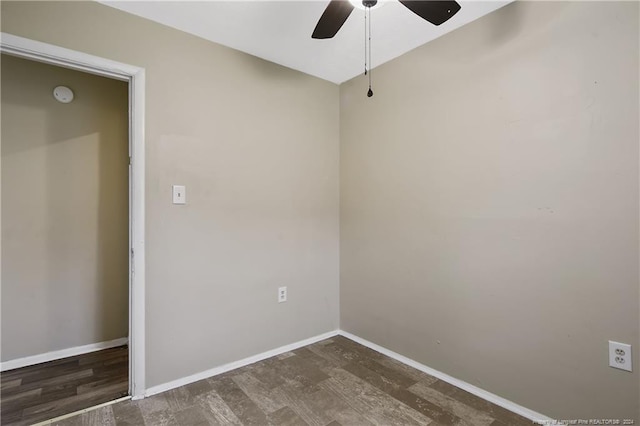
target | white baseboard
[
  {"x": 63, "y": 353},
  {"x": 237, "y": 364},
  {"x": 498, "y": 400}
]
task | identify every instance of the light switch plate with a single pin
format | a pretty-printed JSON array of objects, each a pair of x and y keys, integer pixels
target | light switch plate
[{"x": 179, "y": 194}]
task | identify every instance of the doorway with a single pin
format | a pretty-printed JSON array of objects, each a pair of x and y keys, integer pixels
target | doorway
[{"x": 121, "y": 224}]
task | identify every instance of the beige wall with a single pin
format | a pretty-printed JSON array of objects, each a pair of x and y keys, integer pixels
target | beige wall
[
  {"x": 489, "y": 205},
  {"x": 489, "y": 198},
  {"x": 257, "y": 147},
  {"x": 64, "y": 210}
]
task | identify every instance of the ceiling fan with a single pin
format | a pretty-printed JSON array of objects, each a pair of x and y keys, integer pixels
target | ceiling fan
[
  {"x": 435, "y": 11},
  {"x": 334, "y": 16}
]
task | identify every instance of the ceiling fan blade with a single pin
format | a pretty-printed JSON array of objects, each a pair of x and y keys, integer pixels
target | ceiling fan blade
[
  {"x": 332, "y": 18},
  {"x": 436, "y": 12}
]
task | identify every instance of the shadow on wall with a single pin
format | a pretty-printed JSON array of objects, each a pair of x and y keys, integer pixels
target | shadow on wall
[{"x": 64, "y": 207}]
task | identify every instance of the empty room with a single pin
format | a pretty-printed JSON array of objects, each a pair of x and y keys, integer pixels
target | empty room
[{"x": 320, "y": 212}]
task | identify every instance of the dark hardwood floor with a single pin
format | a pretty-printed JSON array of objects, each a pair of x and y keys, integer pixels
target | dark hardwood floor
[{"x": 40, "y": 392}]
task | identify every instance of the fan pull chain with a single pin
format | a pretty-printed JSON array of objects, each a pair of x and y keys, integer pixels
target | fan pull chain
[
  {"x": 369, "y": 92},
  {"x": 365, "y": 42}
]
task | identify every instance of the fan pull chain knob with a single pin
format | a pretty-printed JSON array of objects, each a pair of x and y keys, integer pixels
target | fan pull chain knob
[{"x": 370, "y": 93}]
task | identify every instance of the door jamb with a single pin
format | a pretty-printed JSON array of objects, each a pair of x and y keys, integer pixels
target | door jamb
[{"x": 135, "y": 76}]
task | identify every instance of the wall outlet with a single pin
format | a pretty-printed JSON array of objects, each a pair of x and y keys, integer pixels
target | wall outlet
[
  {"x": 620, "y": 355},
  {"x": 282, "y": 294}
]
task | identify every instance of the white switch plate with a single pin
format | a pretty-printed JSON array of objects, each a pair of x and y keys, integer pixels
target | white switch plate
[
  {"x": 282, "y": 294},
  {"x": 620, "y": 355},
  {"x": 179, "y": 194}
]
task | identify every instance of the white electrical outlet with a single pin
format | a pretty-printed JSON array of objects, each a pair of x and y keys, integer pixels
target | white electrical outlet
[
  {"x": 282, "y": 294},
  {"x": 620, "y": 355}
]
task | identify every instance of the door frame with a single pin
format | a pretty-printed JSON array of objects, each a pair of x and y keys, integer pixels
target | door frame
[{"x": 135, "y": 77}]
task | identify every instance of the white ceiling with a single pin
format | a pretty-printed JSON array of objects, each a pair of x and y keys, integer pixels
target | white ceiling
[{"x": 280, "y": 31}]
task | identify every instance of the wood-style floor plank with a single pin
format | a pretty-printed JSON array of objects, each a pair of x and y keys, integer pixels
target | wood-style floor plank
[
  {"x": 463, "y": 411},
  {"x": 43, "y": 391},
  {"x": 245, "y": 409},
  {"x": 216, "y": 410}
]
